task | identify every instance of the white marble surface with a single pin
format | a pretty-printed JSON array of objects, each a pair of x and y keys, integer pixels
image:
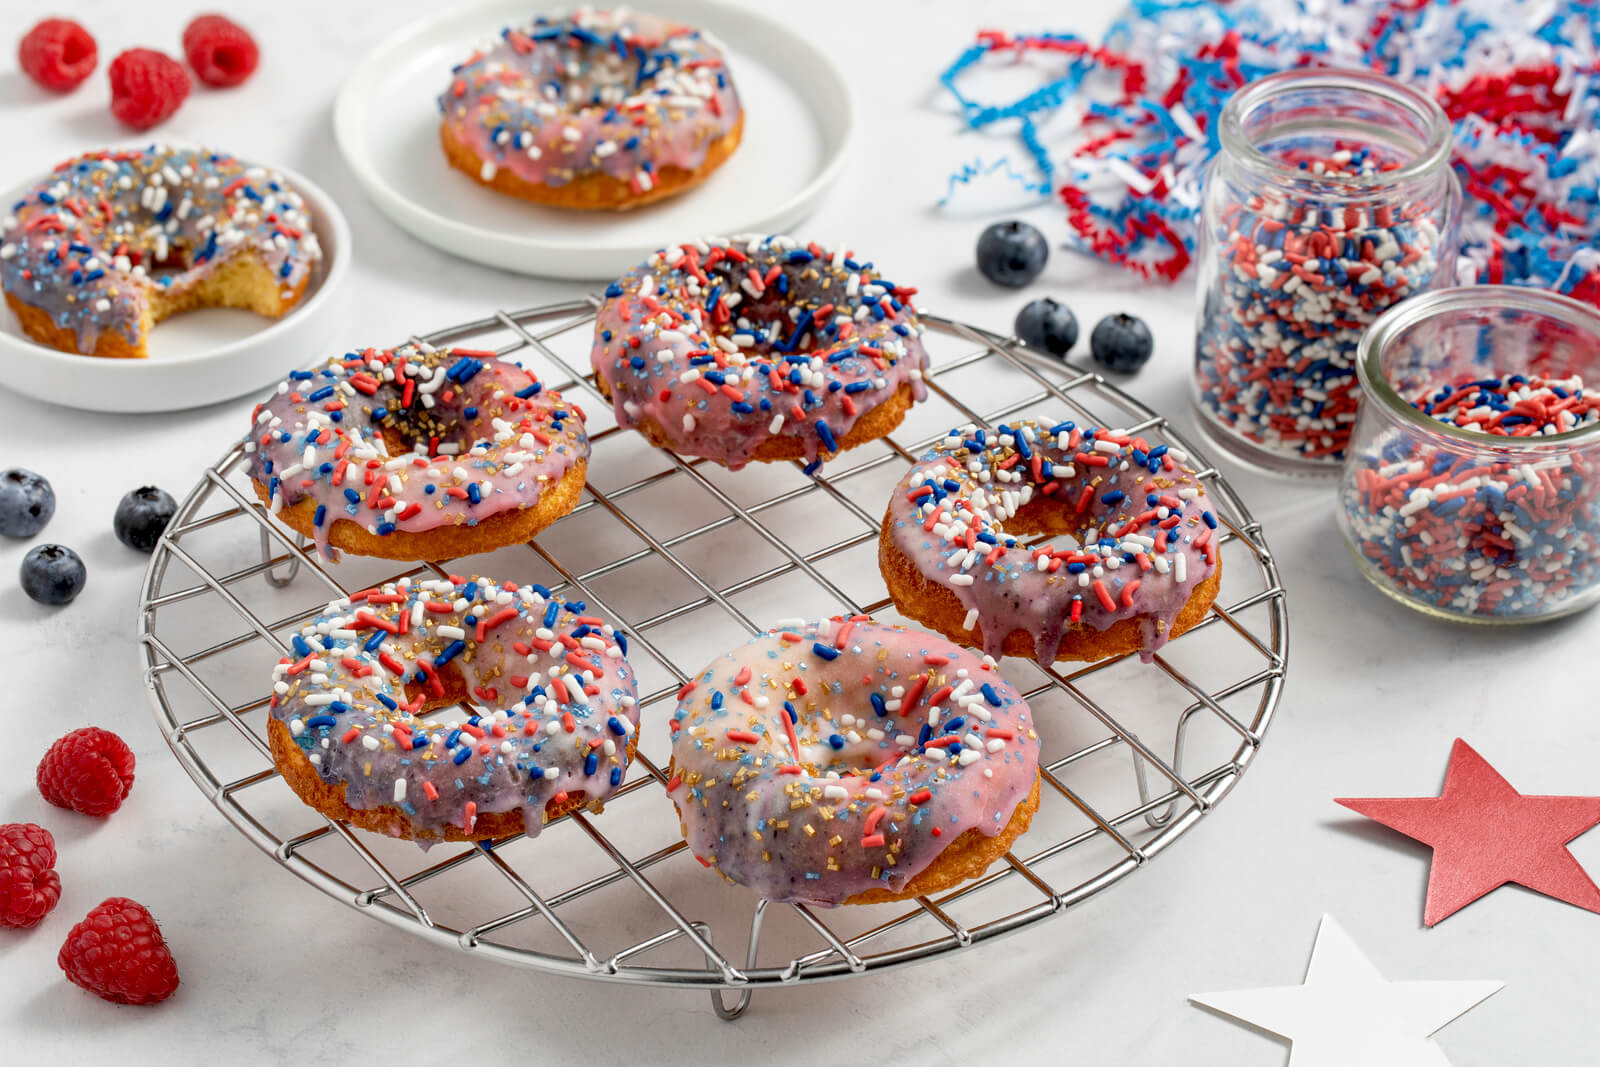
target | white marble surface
[{"x": 275, "y": 972}]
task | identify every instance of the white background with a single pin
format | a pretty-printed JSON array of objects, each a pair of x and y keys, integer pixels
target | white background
[{"x": 275, "y": 972}]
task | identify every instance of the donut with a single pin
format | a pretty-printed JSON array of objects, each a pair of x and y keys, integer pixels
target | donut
[
  {"x": 549, "y": 722},
  {"x": 851, "y": 762},
  {"x": 417, "y": 453},
  {"x": 599, "y": 110},
  {"x": 112, "y": 242},
  {"x": 958, "y": 544},
  {"x": 758, "y": 348}
]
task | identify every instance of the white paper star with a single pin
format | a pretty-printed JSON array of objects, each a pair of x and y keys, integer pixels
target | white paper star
[{"x": 1347, "y": 1013}]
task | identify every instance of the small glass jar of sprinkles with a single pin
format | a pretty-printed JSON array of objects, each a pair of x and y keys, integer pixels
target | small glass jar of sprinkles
[
  {"x": 1470, "y": 490},
  {"x": 1331, "y": 200}
]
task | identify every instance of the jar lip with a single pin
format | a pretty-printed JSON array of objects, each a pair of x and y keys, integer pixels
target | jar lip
[
  {"x": 1434, "y": 152},
  {"x": 1376, "y": 385}
]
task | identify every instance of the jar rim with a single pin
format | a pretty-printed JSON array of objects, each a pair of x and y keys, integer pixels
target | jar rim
[
  {"x": 1440, "y": 135},
  {"x": 1375, "y": 383}
]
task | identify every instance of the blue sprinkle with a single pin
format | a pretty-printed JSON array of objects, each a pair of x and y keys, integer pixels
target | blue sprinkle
[{"x": 825, "y": 651}]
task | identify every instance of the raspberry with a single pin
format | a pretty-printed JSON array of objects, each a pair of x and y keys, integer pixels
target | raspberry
[
  {"x": 89, "y": 770},
  {"x": 29, "y": 887},
  {"x": 146, "y": 87},
  {"x": 117, "y": 952},
  {"x": 58, "y": 54},
  {"x": 221, "y": 51}
]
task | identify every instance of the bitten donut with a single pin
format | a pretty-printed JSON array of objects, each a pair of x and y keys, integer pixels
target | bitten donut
[
  {"x": 417, "y": 453},
  {"x": 549, "y": 721},
  {"x": 110, "y": 243},
  {"x": 603, "y": 110},
  {"x": 955, "y": 545},
  {"x": 758, "y": 348},
  {"x": 850, "y": 762}
]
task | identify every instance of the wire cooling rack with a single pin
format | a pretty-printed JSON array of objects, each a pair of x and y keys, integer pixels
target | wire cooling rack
[{"x": 691, "y": 559}]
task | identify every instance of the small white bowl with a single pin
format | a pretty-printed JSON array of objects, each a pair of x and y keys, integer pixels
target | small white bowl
[{"x": 197, "y": 357}]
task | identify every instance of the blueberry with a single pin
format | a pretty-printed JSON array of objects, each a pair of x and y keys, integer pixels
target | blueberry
[
  {"x": 141, "y": 516},
  {"x": 26, "y": 503},
  {"x": 1012, "y": 253},
  {"x": 1121, "y": 342},
  {"x": 52, "y": 574},
  {"x": 1048, "y": 325}
]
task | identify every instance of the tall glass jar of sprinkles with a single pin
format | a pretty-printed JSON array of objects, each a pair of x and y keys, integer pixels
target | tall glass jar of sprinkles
[
  {"x": 1331, "y": 200},
  {"x": 1472, "y": 485}
]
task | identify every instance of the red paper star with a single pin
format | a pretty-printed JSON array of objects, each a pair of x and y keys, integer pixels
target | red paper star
[{"x": 1484, "y": 834}]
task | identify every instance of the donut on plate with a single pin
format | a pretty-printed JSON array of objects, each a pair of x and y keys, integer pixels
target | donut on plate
[
  {"x": 112, "y": 242},
  {"x": 417, "y": 453},
  {"x": 850, "y": 762},
  {"x": 961, "y": 545},
  {"x": 548, "y": 722},
  {"x": 758, "y": 348},
  {"x": 603, "y": 110}
]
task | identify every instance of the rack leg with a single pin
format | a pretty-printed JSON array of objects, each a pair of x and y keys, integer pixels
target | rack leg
[
  {"x": 718, "y": 1004},
  {"x": 1159, "y": 818},
  {"x": 275, "y": 580}
]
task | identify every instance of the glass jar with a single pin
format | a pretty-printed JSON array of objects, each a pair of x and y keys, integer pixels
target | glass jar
[
  {"x": 1467, "y": 524},
  {"x": 1331, "y": 199}
]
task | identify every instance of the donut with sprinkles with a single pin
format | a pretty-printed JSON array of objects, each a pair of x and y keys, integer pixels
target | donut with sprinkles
[
  {"x": 112, "y": 242},
  {"x": 960, "y": 545},
  {"x": 758, "y": 348},
  {"x": 598, "y": 110},
  {"x": 417, "y": 453},
  {"x": 851, "y": 762},
  {"x": 546, "y": 719}
]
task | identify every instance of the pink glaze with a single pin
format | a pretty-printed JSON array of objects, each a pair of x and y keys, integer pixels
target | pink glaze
[
  {"x": 898, "y": 743},
  {"x": 413, "y": 439},
  {"x": 726, "y": 344},
  {"x": 594, "y": 92},
  {"x": 1145, "y": 537}
]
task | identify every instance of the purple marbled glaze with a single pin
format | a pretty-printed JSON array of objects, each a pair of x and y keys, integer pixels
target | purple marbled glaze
[
  {"x": 93, "y": 239},
  {"x": 552, "y": 719},
  {"x": 866, "y": 801}
]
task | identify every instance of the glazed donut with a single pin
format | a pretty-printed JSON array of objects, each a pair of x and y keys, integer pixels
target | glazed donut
[
  {"x": 850, "y": 762},
  {"x": 553, "y": 723},
  {"x": 417, "y": 453},
  {"x": 955, "y": 549},
  {"x": 758, "y": 348},
  {"x": 110, "y": 243},
  {"x": 603, "y": 110}
]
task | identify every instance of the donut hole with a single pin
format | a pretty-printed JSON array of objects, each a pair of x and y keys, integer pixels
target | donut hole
[{"x": 428, "y": 430}]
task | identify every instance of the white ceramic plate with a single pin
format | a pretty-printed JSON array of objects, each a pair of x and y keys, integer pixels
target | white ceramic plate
[
  {"x": 197, "y": 357},
  {"x": 798, "y": 121}
]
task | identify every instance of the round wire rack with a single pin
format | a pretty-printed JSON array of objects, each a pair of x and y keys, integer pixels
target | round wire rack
[{"x": 691, "y": 559}]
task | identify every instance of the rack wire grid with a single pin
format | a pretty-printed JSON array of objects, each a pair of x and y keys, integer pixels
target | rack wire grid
[{"x": 691, "y": 559}]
